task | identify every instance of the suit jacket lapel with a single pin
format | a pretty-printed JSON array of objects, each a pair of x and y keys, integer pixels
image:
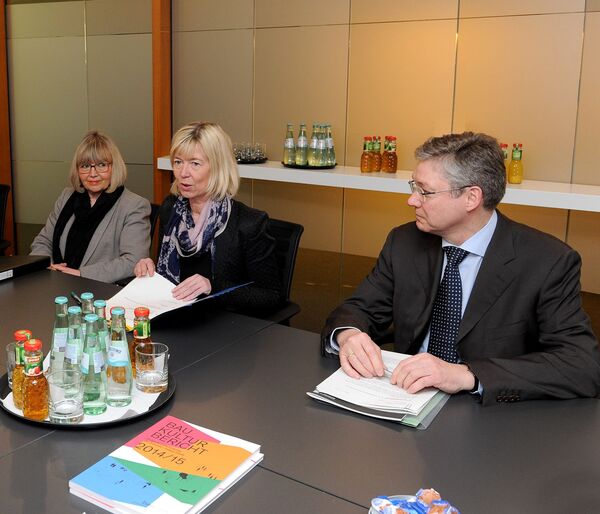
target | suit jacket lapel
[
  {"x": 429, "y": 270},
  {"x": 99, "y": 233},
  {"x": 493, "y": 278}
]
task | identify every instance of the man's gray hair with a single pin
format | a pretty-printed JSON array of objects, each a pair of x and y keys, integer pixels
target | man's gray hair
[{"x": 469, "y": 159}]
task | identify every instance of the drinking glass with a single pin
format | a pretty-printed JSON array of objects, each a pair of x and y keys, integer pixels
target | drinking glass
[
  {"x": 11, "y": 361},
  {"x": 65, "y": 389},
  {"x": 152, "y": 367}
]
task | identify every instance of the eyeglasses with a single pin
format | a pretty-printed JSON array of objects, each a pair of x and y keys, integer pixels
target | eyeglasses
[
  {"x": 424, "y": 194},
  {"x": 100, "y": 167}
]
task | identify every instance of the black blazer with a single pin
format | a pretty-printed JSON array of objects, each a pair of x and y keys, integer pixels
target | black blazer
[
  {"x": 523, "y": 332},
  {"x": 244, "y": 252}
]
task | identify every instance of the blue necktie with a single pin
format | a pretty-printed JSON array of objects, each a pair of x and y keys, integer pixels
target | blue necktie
[{"x": 446, "y": 315}]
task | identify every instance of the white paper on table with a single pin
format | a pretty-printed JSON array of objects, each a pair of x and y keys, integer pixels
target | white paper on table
[
  {"x": 153, "y": 292},
  {"x": 376, "y": 393}
]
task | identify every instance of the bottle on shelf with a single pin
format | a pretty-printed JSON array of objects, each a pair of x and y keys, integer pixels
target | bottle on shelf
[
  {"x": 59, "y": 334},
  {"x": 302, "y": 147},
  {"x": 367, "y": 155},
  {"x": 141, "y": 332},
  {"x": 504, "y": 148},
  {"x": 74, "y": 347},
  {"x": 103, "y": 332},
  {"x": 330, "y": 161},
  {"x": 376, "y": 156},
  {"x": 93, "y": 369},
  {"x": 321, "y": 153},
  {"x": 289, "y": 147},
  {"x": 87, "y": 307},
  {"x": 312, "y": 147},
  {"x": 389, "y": 159},
  {"x": 35, "y": 385},
  {"x": 119, "y": 378},
  {"x": 18, "y": 373},
  {"x": 515, "y": 167}
]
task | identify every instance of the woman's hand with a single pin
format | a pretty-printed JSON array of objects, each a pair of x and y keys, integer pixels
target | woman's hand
[
  {"x": 62, "y": 267},
  {"x": 191, "y": 288},
  {"x": 144, "y": 267}
]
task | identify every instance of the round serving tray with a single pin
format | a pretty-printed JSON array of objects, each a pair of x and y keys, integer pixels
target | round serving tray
[
  {"x": 307, "y": 167},
  {"x": 120, "y": 414},
  {"x": 251, "y": 161}
]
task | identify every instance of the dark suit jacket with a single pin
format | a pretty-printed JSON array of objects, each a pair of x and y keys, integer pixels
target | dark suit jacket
[
  {"x": 523, "y": 332},
  {"x": 244, "y": 252}
]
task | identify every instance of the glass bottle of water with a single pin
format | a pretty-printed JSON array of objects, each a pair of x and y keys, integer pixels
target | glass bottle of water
[
  {"x": 119, "y": 378},
  {"x": 59, "y": 334},
  {"x": 87, "y": 307},
  {"x": 103, "y": 332},
  {"x": 321, "y": 153},
  {"x": 289, "y": 147},
  {"x": 312, "y": 147},
  {"x": 74, "y": 347},
  {"x": 302, "y": 147},
  {"x": 330, "y": 161},
  {"x": 93, "y": 369}
]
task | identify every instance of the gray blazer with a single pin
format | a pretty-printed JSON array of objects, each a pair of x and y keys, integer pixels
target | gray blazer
[{"x": 120, "y": 241}]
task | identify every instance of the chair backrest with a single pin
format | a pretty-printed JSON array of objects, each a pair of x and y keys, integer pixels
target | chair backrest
[
  {"x": 4, "y": 190},
  {"x": 154, "y": 208},
  {"x": 287, "y": 238}
]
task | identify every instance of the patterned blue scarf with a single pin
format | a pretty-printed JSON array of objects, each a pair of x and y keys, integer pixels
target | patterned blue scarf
[{"x": 176, "y": 240}]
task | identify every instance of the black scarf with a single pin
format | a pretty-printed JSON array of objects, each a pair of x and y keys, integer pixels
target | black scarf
[{"x": 87, "y": 219}]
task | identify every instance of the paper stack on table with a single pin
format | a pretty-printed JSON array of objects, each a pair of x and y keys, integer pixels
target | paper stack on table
[{"x": 377, "y": 397}]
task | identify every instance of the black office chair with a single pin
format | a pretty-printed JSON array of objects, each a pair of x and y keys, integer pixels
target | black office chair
[
  {"x": 287, "y": 238},
  {"x": 4, "y": 190}
]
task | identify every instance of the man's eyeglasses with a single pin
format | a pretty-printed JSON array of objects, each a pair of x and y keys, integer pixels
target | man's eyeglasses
[
  {"x": 100, "y": 167},
  {"x": 414, "y": 188}
]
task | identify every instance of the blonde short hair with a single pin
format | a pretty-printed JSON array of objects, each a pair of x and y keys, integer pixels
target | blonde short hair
[
  {"x": 96, "y": 147},
  {"x": 224, "y": 178}
]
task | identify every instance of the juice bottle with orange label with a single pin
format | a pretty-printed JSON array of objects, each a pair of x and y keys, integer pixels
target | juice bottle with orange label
[{"x": 515, "y": 167}]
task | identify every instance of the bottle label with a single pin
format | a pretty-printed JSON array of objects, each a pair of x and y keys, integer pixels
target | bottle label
[
  {"x": 59, "y": 339},
  {"x": 118, "y": 353},
  {"x": 142, "y": 330},
  {"x": 321, "y": 144},
  {"x": 72, "y": 351},
  {"x": 289, "y": 143},
  {"x": 98, "y": 361},
  {"x": 516, "y": 154},
  {"x": 302, "y": 142},
  {"x": 33, "y": 365},
  {"x": 329, "y": 142},
  {"x": 314, "y": 143},
  {"x": 85, "y": 364}
]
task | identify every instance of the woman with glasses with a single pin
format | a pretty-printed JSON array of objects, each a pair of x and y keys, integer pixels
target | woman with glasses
[
  {"x": 209, "y": 241},
  {"x": 98, "y": 229}
]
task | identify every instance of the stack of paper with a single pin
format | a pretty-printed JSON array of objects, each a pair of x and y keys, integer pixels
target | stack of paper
[
  {"x": 377, "y": 397},
  {"x": 173, "y": 467}
]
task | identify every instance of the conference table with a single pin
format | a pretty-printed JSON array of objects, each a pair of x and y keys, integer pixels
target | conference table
[{"x": 248, "y": 378}]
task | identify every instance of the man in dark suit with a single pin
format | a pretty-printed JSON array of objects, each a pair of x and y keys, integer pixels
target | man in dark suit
[{"x": 508, "y": 325}]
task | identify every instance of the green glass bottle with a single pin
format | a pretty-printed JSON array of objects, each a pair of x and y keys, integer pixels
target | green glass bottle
[
  {"x": 103, "y": 332},
  {"x": 312, "y": 147},
  {"x": 59, "y": 334},
  {"x": 289, "y": 147},
  {"x": 93, "y": 369},
  {"x": 302, "y": 147},
  {"x": 330, "y": 161},
  {"x": 74, "y": 347},
  {"x": 119, "y": 378}
]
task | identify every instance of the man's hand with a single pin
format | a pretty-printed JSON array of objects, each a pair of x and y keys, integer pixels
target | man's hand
[
  {"x": 359, "y": 355},
  {"x": 144, "y": 267},
  {"x": 192, "y": 287},
  {"x": 425, "y": 370}
]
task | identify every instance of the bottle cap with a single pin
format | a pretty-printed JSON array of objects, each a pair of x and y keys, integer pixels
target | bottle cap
[
  {"x": 391, "y": 138},
  {"x": 61, "y": 300},
  {"x": 368, "y": 138},
  {"x": 87, "y": 296},
  {"x": 141, "y": 311},
  {"x": 33, "y": 345},
  {"x": 117, "y": 311},
  {"x": 22, "y": 335},
  {"x": 99, "y": 303},
  {"x": 90, "y": 318},
  {"x": 74, "y": 309}
]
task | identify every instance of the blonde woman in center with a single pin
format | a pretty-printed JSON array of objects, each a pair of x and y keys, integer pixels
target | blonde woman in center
[{"x": 209, "y": 241}]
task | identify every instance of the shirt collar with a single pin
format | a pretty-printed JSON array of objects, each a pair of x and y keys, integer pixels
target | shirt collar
[{"x": 477, "y": 244}]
